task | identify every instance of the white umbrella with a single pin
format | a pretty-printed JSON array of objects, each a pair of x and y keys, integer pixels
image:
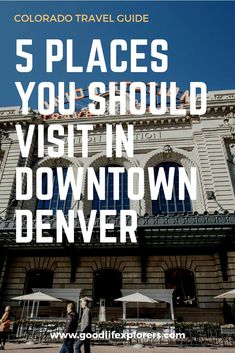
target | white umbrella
[
  {"x": 35, "y": 298},
  {"x": 227, "y": 295},
  {"x": 135, "y": 298}
]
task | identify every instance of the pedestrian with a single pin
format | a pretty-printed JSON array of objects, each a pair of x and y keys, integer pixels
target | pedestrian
[
  {"x": 5, "y": 324},
  {"x": 85, "y": 328},
  {"x": 70, "y": 327}
]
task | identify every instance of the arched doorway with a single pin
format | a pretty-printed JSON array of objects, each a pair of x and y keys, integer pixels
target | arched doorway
[{"x": 183, "y": 282}]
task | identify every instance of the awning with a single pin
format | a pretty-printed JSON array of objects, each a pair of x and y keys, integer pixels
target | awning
[{"x": 190, "y": 231}]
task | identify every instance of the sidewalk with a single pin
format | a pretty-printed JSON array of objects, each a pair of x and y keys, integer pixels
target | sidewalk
[{"x": 54, "y": 348}]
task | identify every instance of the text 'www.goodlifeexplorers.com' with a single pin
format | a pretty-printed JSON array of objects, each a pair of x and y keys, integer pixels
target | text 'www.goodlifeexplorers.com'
[{"x": 109, "y": 335}]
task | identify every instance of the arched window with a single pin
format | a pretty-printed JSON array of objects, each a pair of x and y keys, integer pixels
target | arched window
[
  {"x": 161, "y": 205},
  {"x": 109, "y": 203},
  {"x": 183, "y": 283},
  {"x": 55, "y": 203},
  {"x": 107, "y": 285},
  {"x": 38, "y": 278}
]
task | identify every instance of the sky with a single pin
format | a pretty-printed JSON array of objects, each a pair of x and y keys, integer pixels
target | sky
[{"x": 200, "y": 38}]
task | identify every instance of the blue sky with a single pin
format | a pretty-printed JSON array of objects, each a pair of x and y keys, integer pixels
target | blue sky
[{"x": 200, "y": 37}]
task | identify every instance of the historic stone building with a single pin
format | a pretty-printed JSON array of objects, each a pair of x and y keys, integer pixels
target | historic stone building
[{"x": 185, "y": 245}]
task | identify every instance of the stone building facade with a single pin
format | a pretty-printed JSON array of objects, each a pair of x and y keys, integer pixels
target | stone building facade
[{"x": 191, "y": 249}]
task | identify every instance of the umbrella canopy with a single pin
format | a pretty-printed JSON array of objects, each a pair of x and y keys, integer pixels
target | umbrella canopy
[
  {"x": 136, "y": 298},
  {"x": 164, "y": 295},
  {"x": 227, "y": 295},
  {"x": 37, "y": 297}
]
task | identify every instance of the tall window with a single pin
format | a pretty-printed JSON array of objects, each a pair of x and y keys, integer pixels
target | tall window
[
  {"x": 55, "y": 203},
  {"x": 39, "y": 278},
  {"x": 183, "y": 283},
  {"x": 107, "y": 285},
  {"x": 173, "y": 205},
  {"x": 109, "y": 203}
]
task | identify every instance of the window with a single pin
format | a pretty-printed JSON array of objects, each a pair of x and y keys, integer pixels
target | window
[
  {"x": 107, "y": 285},
  {"x": 174, "y": 205},
  {"x": 183, "y": 283},
  {"x": 39, "y": 278},
  {"x": 109, "y": 203},
  {"x": 55, "y": 203}
]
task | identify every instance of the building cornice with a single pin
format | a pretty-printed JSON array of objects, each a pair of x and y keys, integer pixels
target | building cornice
[
  {"x": 219, "y": 104},
  {"x": 177, "y": 230},
  {"x": 9, "y": 116}
]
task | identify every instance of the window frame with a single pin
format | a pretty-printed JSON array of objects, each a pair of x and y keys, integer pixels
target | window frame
[{"x": 161, "y": 205}]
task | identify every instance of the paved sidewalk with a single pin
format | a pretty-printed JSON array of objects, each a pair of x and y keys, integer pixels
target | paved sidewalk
[{"x": 54, "y": 348}]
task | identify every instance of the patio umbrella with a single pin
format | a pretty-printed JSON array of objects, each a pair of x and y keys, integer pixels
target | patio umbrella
[
  {"x": 135, "y": 298},
  {"x": 227, "y": 295},
  {"x": 36, "y": 297}
]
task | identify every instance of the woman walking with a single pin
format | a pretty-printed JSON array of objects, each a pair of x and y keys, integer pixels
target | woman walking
[{"x": 5, "y": 324}]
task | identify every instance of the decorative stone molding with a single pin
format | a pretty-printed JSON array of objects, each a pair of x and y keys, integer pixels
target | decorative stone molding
[
  {"x": 108, "y": 262},
  {"x": 225, "y": 121},
  {"x": 3, "y": 134},
  {"x": 59, "y": 162},
  {"x": 9, "y": 111},
  {"x": 100, "y": 160},
  {"x": 167, "y": 150},
  {"x": 56, "y": 162},
  {"x": 231, "y": 118},
  {"x": 225, "y": 96},
  {"x": 232, "y": 151},
  {"x": 176, "y": 155},
  {"x": 41, "y": 262},
  {"x": 229, "y": 121},
  {"x": 10, "y": 116},
  {"x": 221, "y": 95}
]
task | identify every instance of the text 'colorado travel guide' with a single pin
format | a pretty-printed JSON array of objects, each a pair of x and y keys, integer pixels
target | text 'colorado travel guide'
[{"x": 117, "y": 170}]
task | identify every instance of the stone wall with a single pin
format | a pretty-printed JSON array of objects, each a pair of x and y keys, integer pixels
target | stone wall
[{"x": 206, "y": 269}]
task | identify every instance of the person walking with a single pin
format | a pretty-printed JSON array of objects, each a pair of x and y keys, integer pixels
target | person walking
[
  {"x": 70, "y": 327},
  {"x": 5, "y": 324},
  {"x": 85, "y": 329}
]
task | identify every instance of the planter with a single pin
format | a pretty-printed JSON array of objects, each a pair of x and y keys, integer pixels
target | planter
[{"x": 227, "y": 330}]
